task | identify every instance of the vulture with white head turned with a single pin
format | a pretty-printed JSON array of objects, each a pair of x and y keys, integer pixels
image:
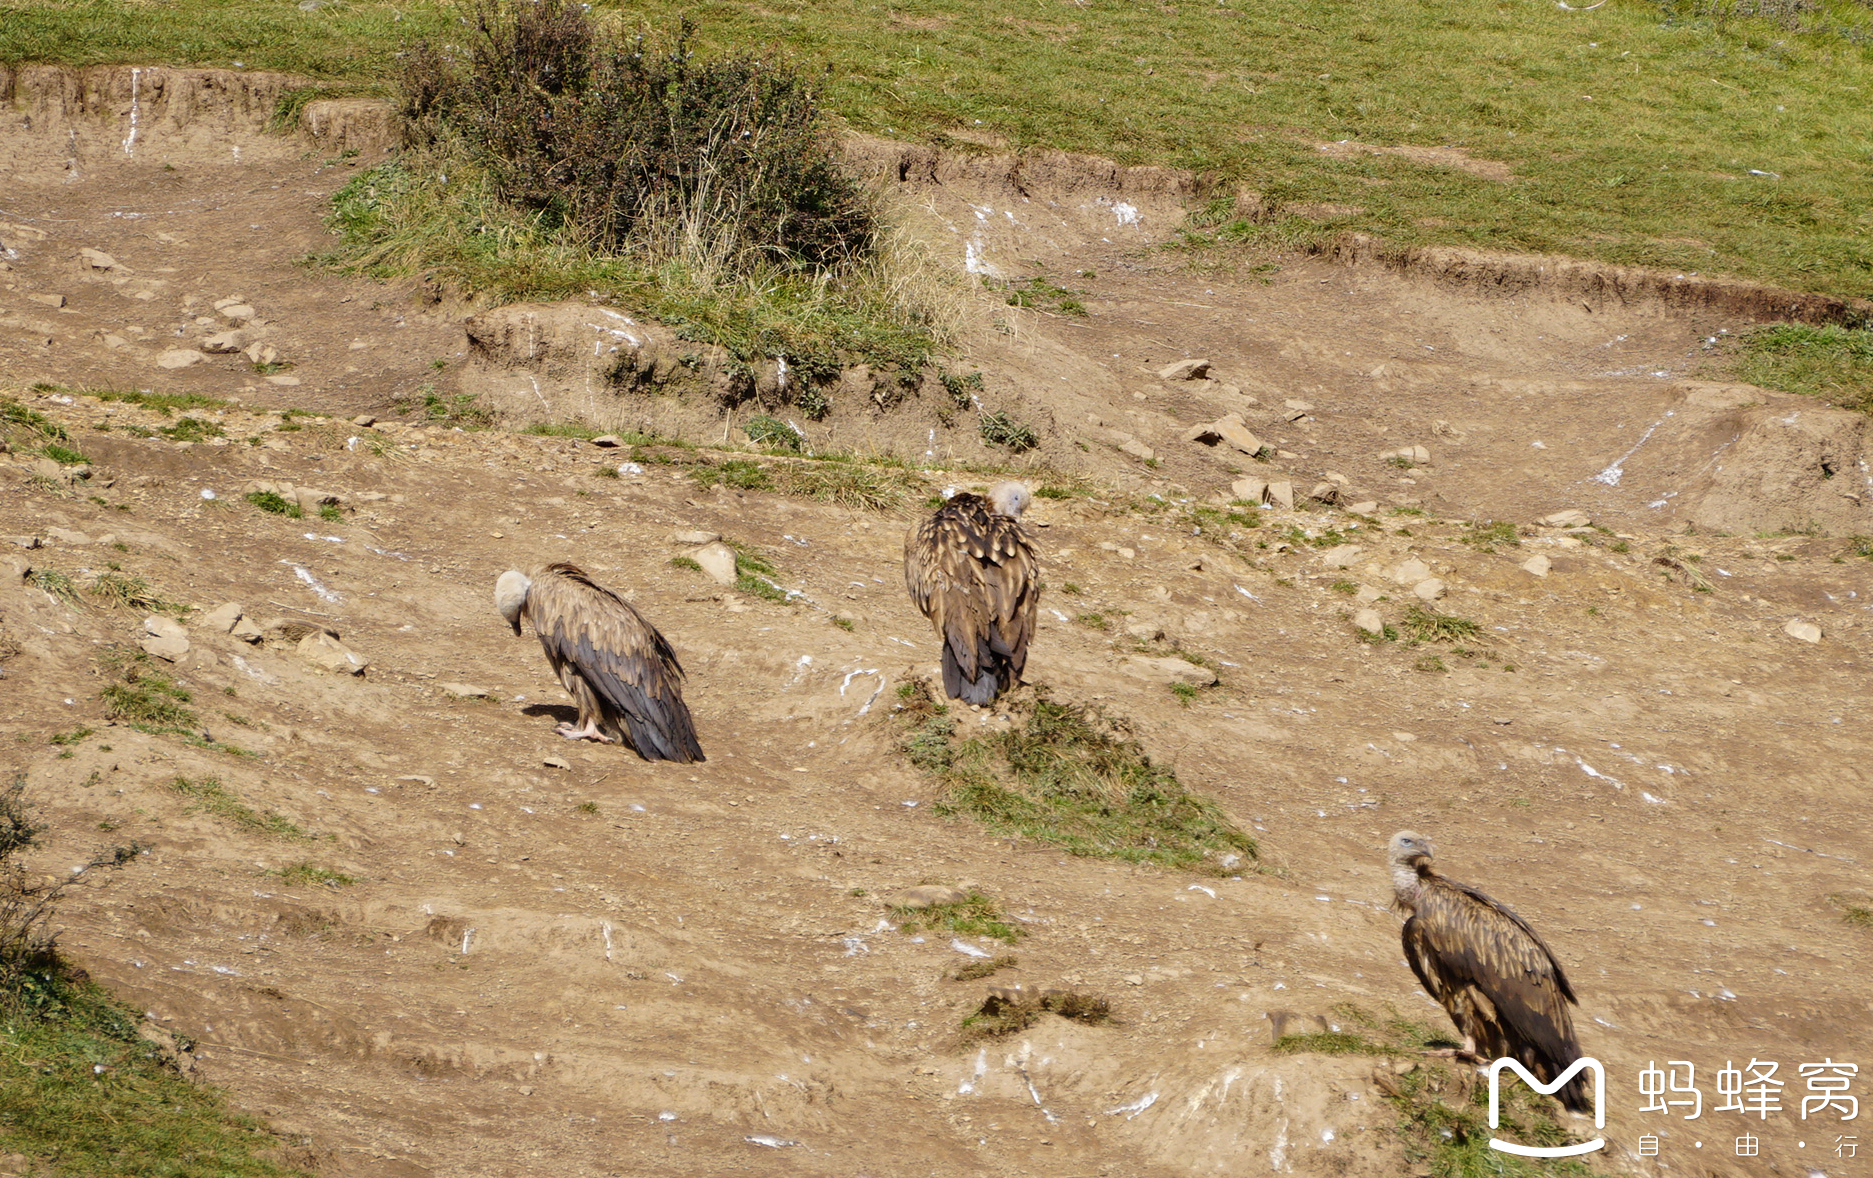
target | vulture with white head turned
[
  {"x": 971, "y": 569},
  {"x": 618, "y": 669},
  {"x": 1483, "y": 964}
]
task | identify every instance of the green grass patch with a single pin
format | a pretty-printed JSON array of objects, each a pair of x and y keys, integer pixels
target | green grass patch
[
  {"x": 1071, "y": 776},
  {"x": 127, "y": 591},
  {"x": 999, "y": 429},
  {"x": 462, "y": 409},
  {"x": 976, "y": 970},
  {"x": 685, "y": 562},
  {"x": 1000, "y": 1016},
  {"x": 975, "y": 915},
  {"x": 55, "y": 582},
  {"x": 211, "y": 797},
  {"x": 1423, "y": 624},
  {"x": 1485, "y": 535},
  {"x": 16, "y": 418},
  {"x": 763, "y": 430},
  {"x": 192, "y": 429},
  {"x": 147, "y": 697},
  {"x": 1834, "y": 364},
  {"x": 64, "y": 455},
  {"x": 274, "y": 504},
  {"x": 855, "y": 484},
  {"x": 309, "y": 874},
  {"x": 63, "y": 739}
]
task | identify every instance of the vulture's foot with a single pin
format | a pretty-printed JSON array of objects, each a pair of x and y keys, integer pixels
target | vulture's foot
[
  {"x": 589, "y": 732},
  {"x": 1460, "y": 1054}
]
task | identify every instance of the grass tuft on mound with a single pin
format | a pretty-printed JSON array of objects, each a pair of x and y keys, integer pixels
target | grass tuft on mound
[{"x": 1069, "y": 775}]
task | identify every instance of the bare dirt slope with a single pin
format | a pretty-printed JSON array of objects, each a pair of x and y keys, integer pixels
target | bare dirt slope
[{"x": 690, "y": 975}]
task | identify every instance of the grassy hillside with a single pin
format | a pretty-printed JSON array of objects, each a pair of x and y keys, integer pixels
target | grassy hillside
[{"x": 1676, "y": 135}]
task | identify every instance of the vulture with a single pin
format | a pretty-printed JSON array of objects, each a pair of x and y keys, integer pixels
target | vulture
[
  {"x": 618, "y": 669},
  {"x": 971, "y": 569},
  {"x": 1494, "y": 974}
]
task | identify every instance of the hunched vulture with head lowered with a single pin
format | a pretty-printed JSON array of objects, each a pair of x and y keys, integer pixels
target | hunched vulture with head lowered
[
  {"x": 1483, "y": 964},
  {"x": 971, "y": 569},
  {"x": 618, "y": 669}
]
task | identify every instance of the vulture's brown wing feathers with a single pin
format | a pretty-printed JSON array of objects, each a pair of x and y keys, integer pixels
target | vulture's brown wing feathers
[
  {"x": 973, "y": 573},
  {"x": 622, "y": 658},
  {"x": 1463, "y": 945}
]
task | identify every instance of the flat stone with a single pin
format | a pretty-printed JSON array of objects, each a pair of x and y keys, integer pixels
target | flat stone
[
  {"x": 1538, "y": 565},
  {"x": 1137, "y": 449},
  {"x": 465, "y": 690},
  {"x": 1184, "y": 370},
  {"x": 1230, "y": 429},
  {"x": 49, "y": 300},
  {"x": 328, "y": 653},
  {"x": 1369, "y": 621},
  {"x": 364, "y": 419},
  {"x": 311, "y": 499},
  {"x": 1166, "y": 670},
  {"x": 225, "y": 343},
  {"x": 1341, "y": 556},
  {"x": 169, "y": 648},
  {"x": 14, "y": 569},
  {"x": 28, "y": 542},
  {"x": 1325, "y": 493},
  {"x": 1413, "y": 454},
  {"x": 1806, "y": 631},
  {"x": 1252, "y": 490},
  {"x": 179, "y": 358},
  {"x": 1281, "y": 494},
  {"x": 556, "y": 763},
  {"x": 692, "y": 536},
  {"x": 160, "y": 627},
  {"x": 222, "y": 618},
  {"x": 717, "y": 560},
  {"x": 1303, "y": 406},
  {"x": 247, "y": 631},
  {"x": 1429, "y": 589},
  {"x": 1364, "y": 507},
  {"x": 608, "y": 441},
  {"x": 1572, "y": 518},
  {"x": 286, "y": 382},
  {"x": 1367, "y": 595},
  {"x": 67, "y": 536},
  {"x": 239, "y": 312},
  {"x": 260, "y": 353},
  {"x": 97, "y": 259},
  {"x": 1409, "y": 572},
  {"x": 925, "y": 896}
]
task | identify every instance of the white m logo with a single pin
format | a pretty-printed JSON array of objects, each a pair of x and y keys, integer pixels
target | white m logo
[{"x": 1586, "y": 1063}]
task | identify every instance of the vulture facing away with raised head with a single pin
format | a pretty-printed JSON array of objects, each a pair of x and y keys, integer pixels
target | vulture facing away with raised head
[
  {"x": 971, "y": 569},
  {"x": 1494, "y": 974},
  {"x": 618, "y": 669}
]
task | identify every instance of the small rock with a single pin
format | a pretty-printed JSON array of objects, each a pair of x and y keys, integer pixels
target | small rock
[
  {"x": 1146, "y": 631},
  {"x": 239, "y": 312},
  {"x": 718, "y": 560},
  {"x": 1806, "y": 631},
  {"x": 1167, "y": 671},
  {"x": 1566, "y": 519},
  {"x": 324, "y": 651},
  {"x": 247, "y": 631},
  {"x": 14, "y": 569},
  {"x": 1367, "y": 595},
  {"x": 1133, "y": 979},
  {"x": 222, "y": 618},
  {"x": 97, "y": 259},
  {"x": 365, "y": 420},
  {"x": 1413, "y": 454},
  {"x": 260, "y": 353},
  {"x": 1325, "y": 493},
  {"x": 179, "y": 358},
  {"x": 692, "y": 536},
  {"x": 26, "y": 542},
  {"x": 1409, "y": 572},
  {"x": 1303, "y": 406},
  {"x": 556, "y": 763},
  {"x": 1292, "y": 414},
  {"x": 1538, "y": 565},
  {"x": 1364, "y": 507},
  {"x": 1137, "y": 449},
  {"x": 283, "y": 381},
  {"x": 1185, "y": 370},
  {"x": 1281, "y": 495},
  {"x": 465, "y": 690},
  {"x": 1251, "y": 490},
  {"x": 224, "y": 343},
  {"x": 50, "y": 300},
  {"x": 1340, "y": 557},
  {"x": 310, "y": 500},
  {"x": 1282, "y": 1023},
  {"x": 608, "y": 441},
  {"x": 161, "y": 627},
  {"x": 67, "y": 536},
  {"x": 169, "y": 648},
  {"x": 1231, "y": 429},
  {"x": 1429, "y": 589},
  {"x": 1369, "y": 621},
  {"x": 925, "y": 896}
]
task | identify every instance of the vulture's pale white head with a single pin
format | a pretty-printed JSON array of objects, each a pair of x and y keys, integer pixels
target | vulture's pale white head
[
  {"x": 1408, "y": 849},
  {"x": 1010, "y": 499},
  {"x": 510, "y": 596}
]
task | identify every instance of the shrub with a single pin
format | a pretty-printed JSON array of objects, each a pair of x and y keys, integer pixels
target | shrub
[
  {"x": 999, "y": 429},
  {"x": 635, "y": 142}
]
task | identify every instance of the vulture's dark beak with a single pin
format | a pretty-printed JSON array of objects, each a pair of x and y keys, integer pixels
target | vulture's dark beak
[{"x": 516, "y": 624}]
